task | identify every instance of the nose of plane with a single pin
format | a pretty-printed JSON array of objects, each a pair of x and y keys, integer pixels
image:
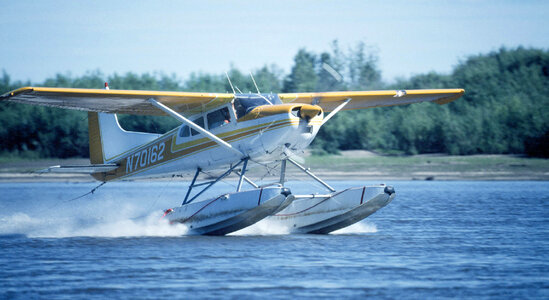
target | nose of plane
[{"x": 307, "y": 111}]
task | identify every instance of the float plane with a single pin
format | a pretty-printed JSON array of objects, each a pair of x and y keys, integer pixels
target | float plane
[{"x": 227, "y": 133}]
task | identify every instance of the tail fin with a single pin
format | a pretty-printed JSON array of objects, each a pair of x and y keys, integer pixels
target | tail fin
[
  {"x": 94, "y": 133},
  {"x": 108, "y": 141}
]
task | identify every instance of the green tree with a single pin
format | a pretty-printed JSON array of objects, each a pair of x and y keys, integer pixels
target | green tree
[
  {"x": 502, "y": 111},
  {"x": 303, "y": 76}
]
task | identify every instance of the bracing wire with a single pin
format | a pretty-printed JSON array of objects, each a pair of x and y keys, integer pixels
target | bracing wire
[
  {"x": 79, "y": 197},
  {"x": 88, "y": 193},
  {"x": 222, "y": 180}
]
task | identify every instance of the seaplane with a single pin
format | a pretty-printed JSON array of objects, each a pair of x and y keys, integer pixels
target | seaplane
[{"x": 227, "y": 134}]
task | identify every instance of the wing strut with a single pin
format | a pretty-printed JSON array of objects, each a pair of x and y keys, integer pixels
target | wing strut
[
  {"x": 335, "y": 111},
  {"x": 191, "y": 124}
]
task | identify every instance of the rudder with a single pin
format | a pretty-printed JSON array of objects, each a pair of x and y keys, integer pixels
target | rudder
[{"x": 94, "y": 133}]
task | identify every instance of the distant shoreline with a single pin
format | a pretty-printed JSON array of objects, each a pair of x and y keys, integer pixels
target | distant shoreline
[{"x": 355, "y": 165}]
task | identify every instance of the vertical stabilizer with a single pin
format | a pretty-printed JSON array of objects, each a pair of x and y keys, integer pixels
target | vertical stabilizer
[
  {"x": 94, "y": 133},
  {"x": 108, "y": 141}
]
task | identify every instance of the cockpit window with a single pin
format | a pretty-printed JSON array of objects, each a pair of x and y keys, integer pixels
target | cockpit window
[
  {"x": 218, "y": 118},
  {"x": 184, "y": 132},
  {"x": 199, "y": 122},
  {"x": 244, "y": 103}
]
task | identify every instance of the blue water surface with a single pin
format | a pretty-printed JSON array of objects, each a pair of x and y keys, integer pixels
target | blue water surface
[{"x": 435, "y": 240}]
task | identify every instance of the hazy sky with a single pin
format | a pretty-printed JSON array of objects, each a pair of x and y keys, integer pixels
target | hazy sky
[{"x": 41, "y": 38}]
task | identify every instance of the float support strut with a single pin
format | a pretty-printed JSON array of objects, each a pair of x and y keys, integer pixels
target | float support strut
[
  {"x": 247, "y": 180},
  {"x": 191, "y": 186},
  {"x": 282, "y": 171},
  {"x": 210, "y": 183},
  {"x": 311, "y": 174},
  {"x": 242, "y": 175}
]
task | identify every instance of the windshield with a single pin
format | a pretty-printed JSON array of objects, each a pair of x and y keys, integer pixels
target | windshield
[{"x": 244, "y": 103}]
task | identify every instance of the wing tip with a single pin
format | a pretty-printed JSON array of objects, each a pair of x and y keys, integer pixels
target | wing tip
[
  {"x": 456, "y": 95},
  {"x": 16, "y": 92}
]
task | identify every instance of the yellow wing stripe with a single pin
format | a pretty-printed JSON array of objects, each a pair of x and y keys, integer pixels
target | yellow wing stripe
[
  {"x": 117, "y": 101},
  {"x": 335, "y": 96},
  {"x": 367, "y": 99},
  {"x": 135, "y": 101},
  {"x": 121, "y": 93}
]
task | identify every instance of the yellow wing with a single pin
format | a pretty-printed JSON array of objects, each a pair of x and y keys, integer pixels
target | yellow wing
[
  {"x": 330, "y": 100},
  {"x": 135, "y": 101},
  {"x": 117, "y": 101}
]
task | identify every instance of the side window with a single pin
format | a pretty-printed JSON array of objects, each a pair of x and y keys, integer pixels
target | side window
[
  {"x": 199, "y": 122},
  {"x": 184, "y": 132},
  {"x": 239, "y": 108},
  {"x": 219, "y": 118}
]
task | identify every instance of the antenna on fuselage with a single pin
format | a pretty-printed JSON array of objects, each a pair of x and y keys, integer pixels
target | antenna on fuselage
[
  {"x": 230, "y": 83},
  {"x": 258, "y": 92},
  {"x": 251, "y": 75}
]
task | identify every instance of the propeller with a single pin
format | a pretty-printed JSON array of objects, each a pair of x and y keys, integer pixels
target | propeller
[{"x": 335, "y": 74}]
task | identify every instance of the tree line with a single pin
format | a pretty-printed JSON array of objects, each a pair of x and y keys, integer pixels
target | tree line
[{"x": 502, "y": 111}]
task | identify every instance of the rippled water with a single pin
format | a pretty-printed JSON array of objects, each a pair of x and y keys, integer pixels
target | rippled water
[{"x": 436, "y": 239}]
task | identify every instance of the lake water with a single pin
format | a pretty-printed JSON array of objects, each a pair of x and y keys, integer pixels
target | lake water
[{"x": 435, "y": 240}]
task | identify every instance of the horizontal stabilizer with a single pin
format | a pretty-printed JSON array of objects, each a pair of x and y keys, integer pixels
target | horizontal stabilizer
[{"x": 91, "y": 169}]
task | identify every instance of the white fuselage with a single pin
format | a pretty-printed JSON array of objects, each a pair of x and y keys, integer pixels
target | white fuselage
[{"x": 261, "y": 139}]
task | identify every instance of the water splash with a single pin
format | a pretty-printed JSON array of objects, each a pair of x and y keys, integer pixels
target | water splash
[
  {"x": 263, "y": 227},
  {"x": 58, "y": 227},
  {"x": 358, "y": 228},
  {"x": 266, "y": 227}
]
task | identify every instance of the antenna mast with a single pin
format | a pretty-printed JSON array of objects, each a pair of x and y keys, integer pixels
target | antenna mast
[
  {"x": 251, "y": 75},
  {"x": 258, "y": 92},
  {"x": 230, "y": 83}
]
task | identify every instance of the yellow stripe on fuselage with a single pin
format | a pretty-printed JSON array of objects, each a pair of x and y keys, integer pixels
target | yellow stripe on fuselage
[
  {"x": 207, "y": 146},
  {"x": 225, "y": 136},
  {"x": 193, "y": 147}
]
